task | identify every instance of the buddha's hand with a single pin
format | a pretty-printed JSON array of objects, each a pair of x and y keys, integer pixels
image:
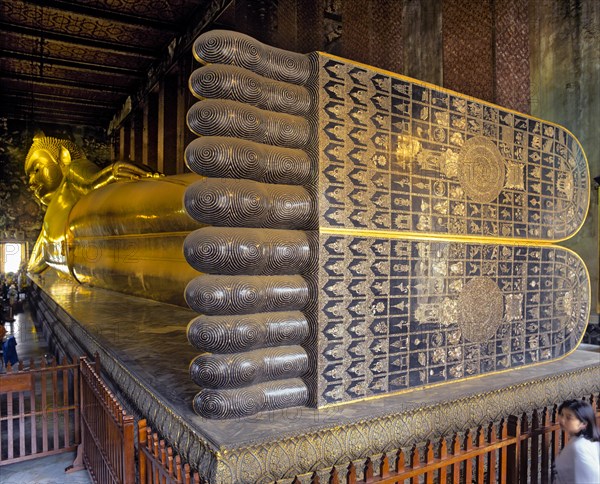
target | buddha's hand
[
  {"x": 36, "y": 263},
  {"x": 123, "y": 170}
]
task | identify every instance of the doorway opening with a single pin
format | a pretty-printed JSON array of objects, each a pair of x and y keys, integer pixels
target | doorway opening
[{"x": 12, "y": 256}]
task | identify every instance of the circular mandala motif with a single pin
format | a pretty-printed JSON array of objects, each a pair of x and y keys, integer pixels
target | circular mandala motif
[
  {"x": 481, "y": 169},
  {"x": 480, "y": 309},
  {"x": 439, "y": 188}
]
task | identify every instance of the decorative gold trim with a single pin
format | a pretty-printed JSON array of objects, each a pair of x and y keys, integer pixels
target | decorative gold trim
[
  {"x": 360, "y": 439},
  {"x": 134, "y": 236},
  {"x": 397, "y": 235}
]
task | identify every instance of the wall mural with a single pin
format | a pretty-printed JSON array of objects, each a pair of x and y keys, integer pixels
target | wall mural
[
  {"x": 368, "y": 233},
  {"x": 20, "y": 217}
]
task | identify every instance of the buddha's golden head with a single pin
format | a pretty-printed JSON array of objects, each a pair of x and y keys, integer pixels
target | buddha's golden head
[{"x": 44, "y": 167}]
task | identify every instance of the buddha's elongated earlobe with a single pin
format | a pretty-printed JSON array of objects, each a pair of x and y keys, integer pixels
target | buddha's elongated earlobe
[{"x": 64, "y": 158}]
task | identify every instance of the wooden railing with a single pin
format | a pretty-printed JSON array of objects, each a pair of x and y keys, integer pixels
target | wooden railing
[
  {"x": 107, "y": 432},
  {"x": 540, "y": 440},
  {"x": 157, "y": 462},
  {"x": 515, "y": 450},
  {"x": 473, "y": 456},
  {"x": 42, "y": 413},
  {"x": 39, "y": 410}
]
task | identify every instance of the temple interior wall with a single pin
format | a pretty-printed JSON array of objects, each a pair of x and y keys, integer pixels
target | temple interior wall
[{"x": 565, "y": 74}]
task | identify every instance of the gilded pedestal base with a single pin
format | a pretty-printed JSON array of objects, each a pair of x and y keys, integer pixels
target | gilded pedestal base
[{"x": 142, "y": 348}]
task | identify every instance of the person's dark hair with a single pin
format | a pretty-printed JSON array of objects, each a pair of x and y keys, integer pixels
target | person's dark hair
[{"x": 585, "y": 413}]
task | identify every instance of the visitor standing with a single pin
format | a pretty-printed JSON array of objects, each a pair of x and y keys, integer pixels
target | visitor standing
[
  {"x": 9, "y": 348},
  {"x": 13, "y": 296},
  {"x": 579, "y": 461},
  {"x": 3, "y": 288}
]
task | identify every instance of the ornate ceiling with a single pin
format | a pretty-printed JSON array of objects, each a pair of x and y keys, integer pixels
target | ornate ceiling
[{"x": 76, "y": 62}]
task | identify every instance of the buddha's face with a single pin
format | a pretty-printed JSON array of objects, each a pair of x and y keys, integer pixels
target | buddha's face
[{"x": 44, "y": 174}]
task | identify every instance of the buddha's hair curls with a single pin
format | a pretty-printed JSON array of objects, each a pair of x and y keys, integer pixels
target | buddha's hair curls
[{"x": 52, "y": 146}]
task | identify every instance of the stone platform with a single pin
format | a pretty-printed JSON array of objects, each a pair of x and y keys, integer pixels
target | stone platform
[{"x": 144, "y": 350}]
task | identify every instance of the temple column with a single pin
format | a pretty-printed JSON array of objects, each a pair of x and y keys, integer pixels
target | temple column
[
  {"x": 167, "y": 127},
  {"x": 136, "y": 143},
  {"x": 124, "y": 141},
  {"x": 150, "y": 130},
  {"x": 114, "y": 146},
  {"x": 184, "y": 102}
]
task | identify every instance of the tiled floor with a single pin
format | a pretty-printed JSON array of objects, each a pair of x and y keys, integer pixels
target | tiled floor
[
  {"x": 45, "y": 470},
  {"x": 30, "y": 342}
]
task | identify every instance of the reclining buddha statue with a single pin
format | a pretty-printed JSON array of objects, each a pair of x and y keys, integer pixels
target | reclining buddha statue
[
  {"x": 120, "y": 227},
  {"x": 350, "y": 232}
]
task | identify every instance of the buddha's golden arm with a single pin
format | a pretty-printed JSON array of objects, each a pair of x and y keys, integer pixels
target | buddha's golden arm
[
  {"x": 37, "y": 263},
  {"x": 118, "y": 171}
]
